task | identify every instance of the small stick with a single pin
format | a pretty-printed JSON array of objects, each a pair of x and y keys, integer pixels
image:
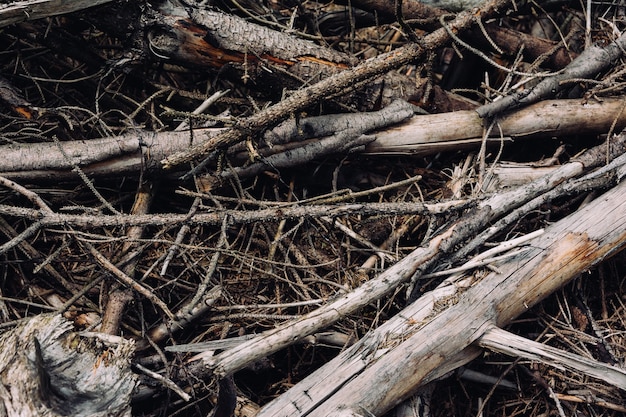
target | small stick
[{"x": 125, "y": 279}]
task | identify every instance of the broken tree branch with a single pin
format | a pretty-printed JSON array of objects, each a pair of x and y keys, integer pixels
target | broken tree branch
[
  {"x": 330, "y": 86},
  {"x": 427, "y": 134},
  {"x": 501, "y": 341},
  {"x": 409, "y": 267},
  {"x": 387, "y": 365}
]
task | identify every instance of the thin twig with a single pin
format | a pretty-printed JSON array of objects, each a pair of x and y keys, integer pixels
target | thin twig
[
  {"x": 126, "y": 280},
  {"x": 33, "y": 197},
  {"x": 168, "y": 383}
]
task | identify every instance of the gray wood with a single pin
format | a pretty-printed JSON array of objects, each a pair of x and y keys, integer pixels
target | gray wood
[
  {"x": 389, "y": 364},
  {"x": 48, "y": 370},
  {"x": 21, "y": 11}
]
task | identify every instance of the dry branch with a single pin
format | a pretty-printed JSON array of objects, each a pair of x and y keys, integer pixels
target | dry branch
[
  {"x": 339, "y": 83},
  {"x": 264, "y": 252},
  {"x": 87, "y": 221},
  {"x": 411, "y": 266},
  {"x": 386, "y": 366},
  {"x": 501, "y": 341}
]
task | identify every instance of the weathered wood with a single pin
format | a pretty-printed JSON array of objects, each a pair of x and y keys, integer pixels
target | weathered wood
[
  {"x": 48, "y": 370},
  {"x": 426, "y": 134},
  {"x": 420, "y": 259},
  {"x": 378, "y": 375},
  {"x": 501, "y": 341},
  {"x": 21, "y": 11},
  {"x": 422, "y": 134}
]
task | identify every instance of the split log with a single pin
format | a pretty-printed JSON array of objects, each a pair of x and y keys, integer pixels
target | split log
[
  {"x": 427, "y": 339},
  {"x": 46, "y": 370},
  {"x": 498, "y": 340}
]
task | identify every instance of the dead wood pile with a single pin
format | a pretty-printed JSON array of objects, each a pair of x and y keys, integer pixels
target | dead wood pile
[{"x": 282, "y": 208}]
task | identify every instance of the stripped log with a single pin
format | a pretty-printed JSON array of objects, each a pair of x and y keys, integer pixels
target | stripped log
[{"x": 433, "y": 133}]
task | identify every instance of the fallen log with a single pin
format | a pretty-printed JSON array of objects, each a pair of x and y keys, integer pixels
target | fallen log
[
  {"x": 435, "y": 335},
  {"x": 420, "y": 135}
]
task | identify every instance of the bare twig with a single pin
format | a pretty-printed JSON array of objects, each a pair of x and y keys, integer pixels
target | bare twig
[{"x": 126, "y": 280}]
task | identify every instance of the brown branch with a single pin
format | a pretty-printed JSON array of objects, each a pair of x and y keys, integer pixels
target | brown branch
[
  {"x": 126, "y": 280},
  {"x": 234, "y": 216},
  {"x": 119, "y": 297}
]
